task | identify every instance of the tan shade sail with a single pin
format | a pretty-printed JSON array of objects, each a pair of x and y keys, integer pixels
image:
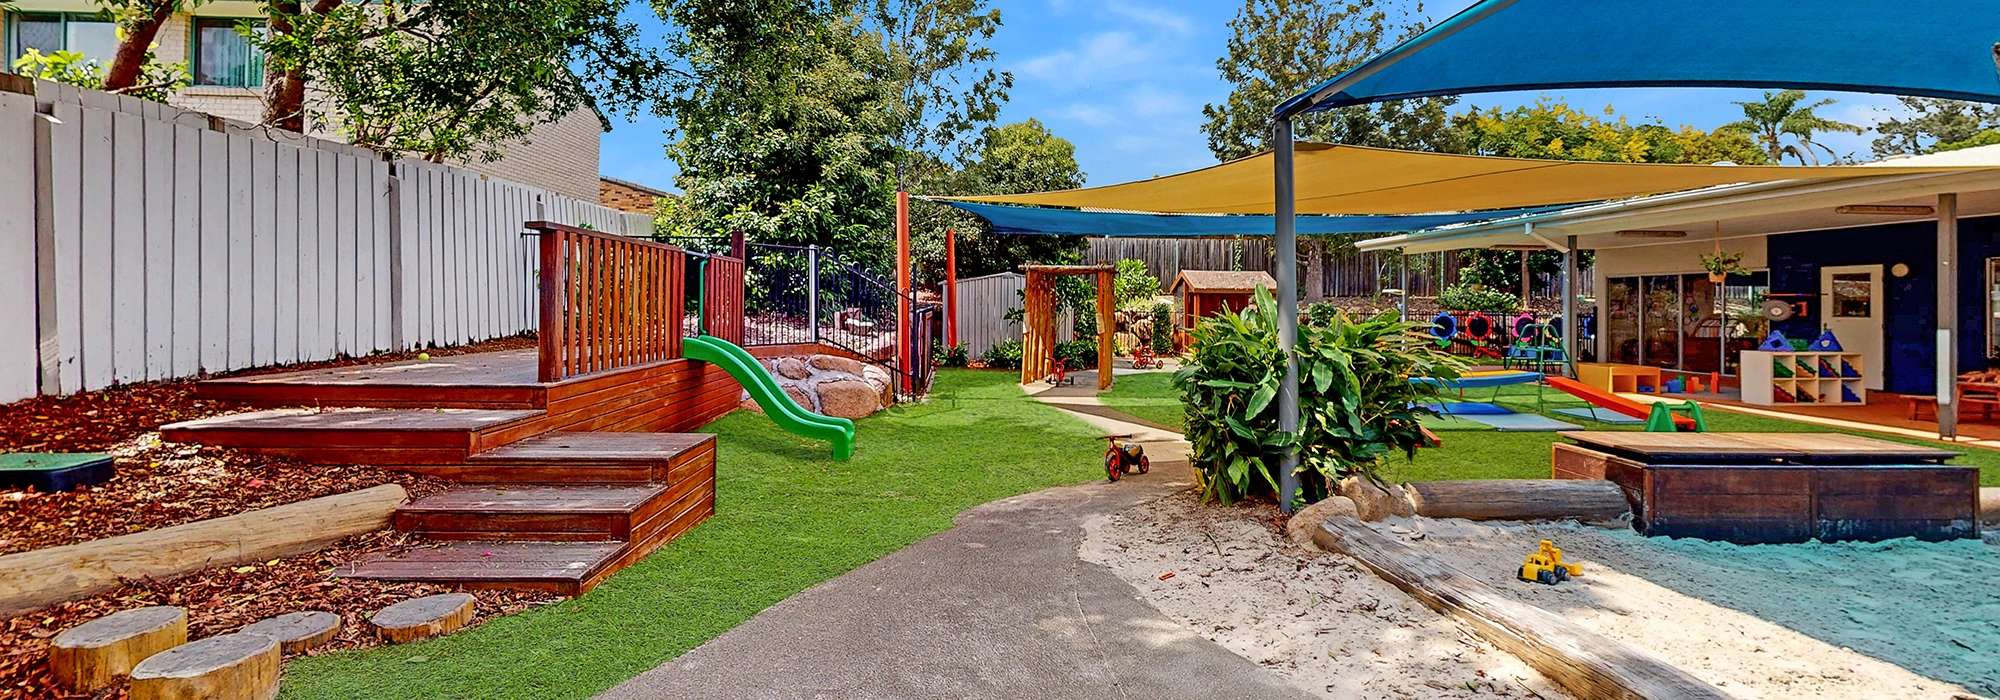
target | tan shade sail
[{"x": 1357, "y": 180}]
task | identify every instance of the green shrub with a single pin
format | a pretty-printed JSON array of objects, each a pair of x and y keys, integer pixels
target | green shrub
[
  {"x": 1356, "y": 403},
  {"x": 1003, "y": 355},
  {"x": 1133, "y": 283},
  {"x": 1462, "y": 297},
  {"x": 1163, "y": 329},
  {"x": 954, "y": 356},
  {"x": 1080, "y": 354}
]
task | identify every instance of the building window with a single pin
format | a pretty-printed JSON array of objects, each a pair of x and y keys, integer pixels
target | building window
[
  {"x": 224, "y": 57},
  {"x": 1684, "y": 322},
  {"x": 90, "y": 35}
]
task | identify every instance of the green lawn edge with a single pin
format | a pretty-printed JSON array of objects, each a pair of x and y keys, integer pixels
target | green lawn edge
[{"x": 787, "y": 517}]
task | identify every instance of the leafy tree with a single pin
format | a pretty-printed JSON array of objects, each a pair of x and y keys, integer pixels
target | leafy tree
[
  {"x": 1279, "y": 48},
  {"x": 133, "y": 67},
  {"x": 1134, "y": 283},
  {"x": 1779, "y": 115},
  {"x": 1551, "y": 129},
  {"x": 448, "y": 79},
  {"x": 1935, "y": 125},
  {"x": 1012, "y": 159},
  {"x": 937, "y": 59}
]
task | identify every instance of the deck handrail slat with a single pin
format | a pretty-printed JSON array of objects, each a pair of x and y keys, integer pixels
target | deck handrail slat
[{"x": 600, "y": 304}]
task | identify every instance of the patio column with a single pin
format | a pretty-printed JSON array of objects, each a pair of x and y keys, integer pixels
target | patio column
[
  {"x": 1288, "y": 302},
  {"x": 1569, "y": 294},
  {"x": 1403, "y": 300},
  {"x": 1947, "y": 315}
]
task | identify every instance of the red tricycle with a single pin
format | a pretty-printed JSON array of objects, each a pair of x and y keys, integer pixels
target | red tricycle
[
  {"x": 1142, "y": 358},
  {"x": 1061, "y": 375},
  {"x": 1123, "y": 457}
]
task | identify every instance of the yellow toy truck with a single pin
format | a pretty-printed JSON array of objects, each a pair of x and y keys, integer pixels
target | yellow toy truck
[{"x": 1546, "y": 566}]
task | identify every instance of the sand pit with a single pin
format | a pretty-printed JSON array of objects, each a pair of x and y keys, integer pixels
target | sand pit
[
  {"x": 1316, "y": 618},
  {"x": 1859, "y": 621}
]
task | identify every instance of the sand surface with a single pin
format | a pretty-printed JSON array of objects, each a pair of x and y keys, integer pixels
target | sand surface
[
  {"x": 1841, "y": 621},
  {"x": 1316, "y": 618}
]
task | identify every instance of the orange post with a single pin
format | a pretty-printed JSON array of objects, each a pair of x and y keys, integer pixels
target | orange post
[
  {"x": 1105, "y": 348},
  {"x": 903, "y": 288},
  {"x": 950, "y": 288}
]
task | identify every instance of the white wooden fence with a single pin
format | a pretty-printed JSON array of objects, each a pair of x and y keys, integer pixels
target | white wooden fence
[{"x": 164, "y": 243}]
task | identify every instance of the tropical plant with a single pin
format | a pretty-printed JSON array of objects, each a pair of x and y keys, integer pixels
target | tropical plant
[
  {"x": 953, "y": 356},
  {"x": 1134, "y": 283},
  {"x": 1462, "y": 297},
  {"x": 1779, "y": 115},
  {"x": 1357, "y": 404},
  {"x": 1079, "y": 353},
  {"x": 1005, "y": 354},
  {"x": 1163, "y": 329},
  {"x": 1936, "y": 125},
  {"x": 155, "y": 81},
  {"x": 1721, "y": 263}
]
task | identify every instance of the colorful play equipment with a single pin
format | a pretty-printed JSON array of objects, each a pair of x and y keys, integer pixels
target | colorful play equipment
[
  {"x": 764, "y": 388},
  {"x": 1122, "y": 458},
  {"x": 1546, "y": 566},
  {"x": 1444, "y": 327},
  {"x": 1665, "y": 417},
  {"x": 1040, "y": 309},
  {"x": 1478, "y": 331},
  {"x": 1628, "y": 407},
  {"x": 1482, "y": 380},
  {"x": 1537, "y": 346}
]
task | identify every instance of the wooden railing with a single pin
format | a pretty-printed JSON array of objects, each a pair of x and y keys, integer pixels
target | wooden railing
[
  {"x": 722, "y": 308},
  {"x": 607, "y": 301}
]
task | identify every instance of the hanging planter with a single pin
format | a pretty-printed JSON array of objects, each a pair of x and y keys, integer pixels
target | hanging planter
[{"x": 1721, "y": 265}]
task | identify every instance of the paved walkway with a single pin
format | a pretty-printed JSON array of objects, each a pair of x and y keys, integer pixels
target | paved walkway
[{"x": 997, "y": 607}]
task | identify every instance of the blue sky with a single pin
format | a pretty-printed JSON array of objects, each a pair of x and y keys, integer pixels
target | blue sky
[{"x": 1125, "y": 80}]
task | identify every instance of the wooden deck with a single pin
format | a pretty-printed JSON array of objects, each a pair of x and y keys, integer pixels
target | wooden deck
[
  {"x": 564, "y": 482},
  {"x": 1752, "y": 488}
]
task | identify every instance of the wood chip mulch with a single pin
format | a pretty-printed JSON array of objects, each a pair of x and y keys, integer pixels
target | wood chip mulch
[{"x": 222, "y": 599}]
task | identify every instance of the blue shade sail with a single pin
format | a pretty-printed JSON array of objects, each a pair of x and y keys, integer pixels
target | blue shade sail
[
  {"x": 1931, "y": 48},
  {"x": 1010, "y": 219}
]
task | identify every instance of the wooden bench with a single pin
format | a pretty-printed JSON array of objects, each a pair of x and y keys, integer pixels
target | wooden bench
[{"x": 1985, "y": 395}]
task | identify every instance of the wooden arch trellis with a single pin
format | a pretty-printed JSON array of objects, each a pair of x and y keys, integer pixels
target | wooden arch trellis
[{"x": 1038, "y": 324}]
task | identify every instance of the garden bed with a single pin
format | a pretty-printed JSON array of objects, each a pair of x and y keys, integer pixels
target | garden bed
[
  {"x": 1318, "y": 619},
  {"x": 222, "y": 599},
  {"x": 1851, "y": 620}
]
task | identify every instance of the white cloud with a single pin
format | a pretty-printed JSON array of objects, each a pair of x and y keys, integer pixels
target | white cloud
[
  {"x": 1098, "y": 57},
  {"x": 1158, "y": 17}
]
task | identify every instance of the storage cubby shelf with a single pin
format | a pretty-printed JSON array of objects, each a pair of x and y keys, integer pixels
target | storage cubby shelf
[{"x": 1803, "y": 378}]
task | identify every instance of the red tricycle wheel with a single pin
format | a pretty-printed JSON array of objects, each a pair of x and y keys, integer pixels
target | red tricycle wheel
[
  {"x": 1145, "y": 464},
  {"x": 1111, "y": 464}
]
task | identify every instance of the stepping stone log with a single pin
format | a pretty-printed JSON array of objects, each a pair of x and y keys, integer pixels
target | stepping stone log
[
  {"x": 297, "y": 632},
  {"x": 96, "y": 654},
  {"x": 224, "y": 667},
  {"x": 418, "y": 619}
]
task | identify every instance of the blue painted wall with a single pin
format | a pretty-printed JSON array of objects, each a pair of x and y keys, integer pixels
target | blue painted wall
[{"x": 1910, "y": 335}]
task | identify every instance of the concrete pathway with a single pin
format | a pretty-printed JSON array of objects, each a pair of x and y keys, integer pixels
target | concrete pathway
[{"x": 997, "y": 607}]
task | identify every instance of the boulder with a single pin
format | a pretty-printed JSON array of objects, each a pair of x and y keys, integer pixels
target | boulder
[
  {"x": 94, "y": 655},
  {"x": 848, "y": 398},
  {"x": 793, "y": 368},
  {"x": 1300, "y": 527},
  {"x": 800, "y": 397},
  {"x": 836, "y": 363},
  {"x": 883, "y": 383},
  {"x": 1373, "y": 501}
]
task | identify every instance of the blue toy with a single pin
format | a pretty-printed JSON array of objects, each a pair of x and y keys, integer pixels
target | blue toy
[
  {"x": 1825, "y": 343},
  {"x": 1676, "y": 386},
  {"x": 1775, "y": 343}
]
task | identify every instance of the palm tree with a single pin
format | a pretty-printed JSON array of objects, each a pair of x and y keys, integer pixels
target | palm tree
[{"x": 1779, "y": 115}]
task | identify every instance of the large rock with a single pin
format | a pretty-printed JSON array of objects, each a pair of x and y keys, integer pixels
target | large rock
[
  {"x": 1373, "y": 501},
  {"x": 1300, "y": 527},
  {"x": 884, "y": 384},
  {"x": 836, "y": 363},
  {"x": 793, "y": 368},
  {"x": 848, "y": 398},
  {"x": 798, "y": 394}
]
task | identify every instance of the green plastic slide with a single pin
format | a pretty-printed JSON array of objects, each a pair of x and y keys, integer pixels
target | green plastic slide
[{"x": 788, "y": 414}]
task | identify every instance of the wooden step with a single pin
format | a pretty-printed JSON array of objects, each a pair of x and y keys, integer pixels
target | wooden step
[
  {"x": 580, "y": 513},
  {"x": 586, "y": 458},
  {"x": 379, "y": 436},
  {"x": 563, "y": 568}
]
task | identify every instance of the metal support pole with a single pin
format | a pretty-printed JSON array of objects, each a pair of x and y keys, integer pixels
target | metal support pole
[
  {"x": 1403, "y": 300},
  {"x": 1288, "y": 304},
  {"x": 812, "y": 290},
  {"x": 1947, "y": 316},
  {"x": 1570, "y": 285}
]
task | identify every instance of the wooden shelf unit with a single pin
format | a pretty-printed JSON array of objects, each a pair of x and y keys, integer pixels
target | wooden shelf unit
[{"x": 1761, "y": 379}]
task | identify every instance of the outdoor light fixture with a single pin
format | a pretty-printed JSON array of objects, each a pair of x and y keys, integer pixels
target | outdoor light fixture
[
  {"x": 1651, "y": 234},
  {"x": 1886, "y": 209}
]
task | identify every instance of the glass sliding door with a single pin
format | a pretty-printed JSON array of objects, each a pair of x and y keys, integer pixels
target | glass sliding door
[
  {"x": 1744, "y": 326},
  {"x": 1660, "y": 321},
  {"x": 1701, "y": 325},
  {"x": 1621, "y": 320}
]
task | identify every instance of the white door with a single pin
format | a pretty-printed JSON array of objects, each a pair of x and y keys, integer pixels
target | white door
[{"x": 1850, "y": 302}]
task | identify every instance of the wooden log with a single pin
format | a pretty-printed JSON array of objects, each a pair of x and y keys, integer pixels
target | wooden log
[
  {"x": 297, "y": 632},
  {"x": 1519, "y": 499},
  {"x": 1588, "y": 665},
  {"x": 418, "y": 619},
  {"x": 96, "y": 654},
  {"x": 223, "y": 667},
  {"x": 33, "y": 579}
]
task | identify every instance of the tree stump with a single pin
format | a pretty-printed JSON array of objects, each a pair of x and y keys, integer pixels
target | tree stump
[
  {"x": 94, "y": 655},
  {"x": 297, "y": 632},
  {"x": 224, "y": 667},
  {"x": 418, "y": 619}
]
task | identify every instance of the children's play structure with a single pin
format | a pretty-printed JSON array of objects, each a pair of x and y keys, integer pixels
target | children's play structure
[
  {"x": 1040, "y": 311},
  {"x": 580, "y": 452}
]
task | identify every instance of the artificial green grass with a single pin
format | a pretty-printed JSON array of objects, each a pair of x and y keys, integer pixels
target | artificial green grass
[
  {"x": 787, "y": 517},
  {"x": 1150, "y": 396}
]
